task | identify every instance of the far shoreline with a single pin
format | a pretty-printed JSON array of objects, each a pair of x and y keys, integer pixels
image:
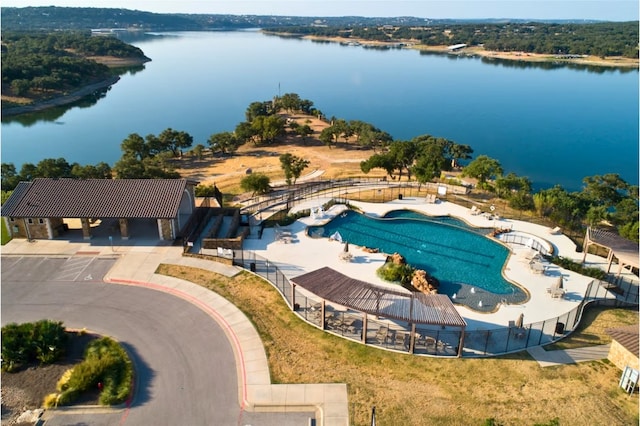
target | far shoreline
[
  {"x": 82, "y": 92},
  {"x": 587, "y": 60}
]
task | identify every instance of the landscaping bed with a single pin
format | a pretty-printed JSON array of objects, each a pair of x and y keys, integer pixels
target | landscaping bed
[{"x": 25, "y": 389}]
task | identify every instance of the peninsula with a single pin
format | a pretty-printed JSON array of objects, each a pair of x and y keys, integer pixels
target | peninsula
[{"x": 42, "y": 71}]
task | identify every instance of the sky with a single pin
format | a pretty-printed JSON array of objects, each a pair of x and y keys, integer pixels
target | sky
[{"x": 608, "y": 10}]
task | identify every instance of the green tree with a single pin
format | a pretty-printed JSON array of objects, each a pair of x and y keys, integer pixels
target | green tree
[
  {"x": 134, "y": 145},
  {"x": 607, "y": 190},
  {"x": 290, "y": 102},
  {"x": 53, "y": 168},
  {"x": 482, "y": 168},
  {"x": 268, "y": 128},
  {"x": 223, "y": 142},
  {"x": 245, "y": 132},
  {"x": 175, "y": 140},
  {"x": 257, "y": 109},
  {"x": 100, "y": 171},
  {"x": 10, "y": 178},
  {"x": 257, "y": 183},
  {"x": 596, "y": 215},
  {"x": 292, "y": 166},
  {"x": 198, "y": 151},
  {"x": 378, "y": 161},
  {"x": 304, "y": 131}
]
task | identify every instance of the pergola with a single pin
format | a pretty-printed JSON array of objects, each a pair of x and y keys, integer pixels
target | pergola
[
  {"x": 626, "y": 251},
  {"x": 411, "y": 307}
]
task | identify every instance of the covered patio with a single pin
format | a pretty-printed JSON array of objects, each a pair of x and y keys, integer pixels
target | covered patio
[
  {"x": 625, "y": 251},
  {"x": 401, "y": 319}
]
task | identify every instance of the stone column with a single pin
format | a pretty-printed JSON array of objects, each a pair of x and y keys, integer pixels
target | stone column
[
  {"x": 124, "y": 228},
  {"x": 86, "y": 228}
]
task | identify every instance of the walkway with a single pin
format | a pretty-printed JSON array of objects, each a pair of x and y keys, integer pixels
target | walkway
[
  {"x": 568, "y": 356},
  {"x": 137, "y": 265},
  {"x": 308, "y": 254}
]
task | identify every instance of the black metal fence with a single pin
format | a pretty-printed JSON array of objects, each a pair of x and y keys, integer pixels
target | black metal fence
[{"x": 430, "y": 339}]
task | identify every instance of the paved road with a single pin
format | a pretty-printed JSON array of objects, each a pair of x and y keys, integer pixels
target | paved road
[{"x": 185, "y": 365}]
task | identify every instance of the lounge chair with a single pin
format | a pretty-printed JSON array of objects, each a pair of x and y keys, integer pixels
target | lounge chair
[
  {"x": 555, "y": 231},
  {"x": 382, "y": 334},
  {"x": 556, "y": 290},
  {"x": 400, "y": 339},
  {"x": 475, "y": 211},
  {"x": 538, "y": 267}
]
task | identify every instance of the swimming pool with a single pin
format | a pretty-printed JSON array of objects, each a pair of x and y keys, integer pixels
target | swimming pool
[{"x": 466, "y": 262}]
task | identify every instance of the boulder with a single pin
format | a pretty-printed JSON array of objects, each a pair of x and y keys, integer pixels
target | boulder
[
  {"x": 396, "y": 258},
  {"x": 424, "y": 282}
]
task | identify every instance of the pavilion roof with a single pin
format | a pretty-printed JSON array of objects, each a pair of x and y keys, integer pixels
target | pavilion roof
[
  {"x": 96, "y": 198},
  {"x": 413, "y": 307},
  {"x": 625, "y": 250}
]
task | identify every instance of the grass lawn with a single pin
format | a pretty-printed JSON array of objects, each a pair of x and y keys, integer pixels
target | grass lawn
[
  {"x": 5, "y": 237},
  {"x": 412, "y": 390}
]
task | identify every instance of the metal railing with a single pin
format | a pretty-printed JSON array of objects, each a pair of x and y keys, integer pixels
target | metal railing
[{"x": 434, "y": 340}]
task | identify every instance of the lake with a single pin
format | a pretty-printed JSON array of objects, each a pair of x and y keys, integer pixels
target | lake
[{"x": 555, "y": 125}]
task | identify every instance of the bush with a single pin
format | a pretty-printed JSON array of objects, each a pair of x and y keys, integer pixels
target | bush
[
  {"x": 51, "y": 400},
  {"x": 105, "y": 362},
  {"x": 569, "y": 264},
  {"x": 43, "y": 341},
  {"x": 395, "y": 273}
]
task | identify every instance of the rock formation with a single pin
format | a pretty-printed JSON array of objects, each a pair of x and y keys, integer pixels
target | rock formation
[{"x": 424, "y": 282}]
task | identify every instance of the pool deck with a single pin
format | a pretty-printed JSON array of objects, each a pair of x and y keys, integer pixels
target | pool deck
[{"x": 302, "y": 254}]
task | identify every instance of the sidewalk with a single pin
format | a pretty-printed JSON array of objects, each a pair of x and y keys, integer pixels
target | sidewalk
[
  {"x": 568, "y": 356},
  {"x": 136, "y": 266}
]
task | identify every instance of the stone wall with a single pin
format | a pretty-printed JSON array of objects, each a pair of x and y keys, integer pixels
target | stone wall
[
  {"x": 621, "y": 357},
  {"x": 166, "y": 229},
  {"x": 37, "y": 228}
]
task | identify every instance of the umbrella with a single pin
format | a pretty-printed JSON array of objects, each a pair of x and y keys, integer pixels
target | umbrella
[
  {"x": 560, "y": 283},
  {"x": 346, "y": 247},
  {"x": 520, "y": 321}
]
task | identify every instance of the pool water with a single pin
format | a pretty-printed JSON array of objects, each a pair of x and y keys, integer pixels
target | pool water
[{"x": 462, "y": 258}]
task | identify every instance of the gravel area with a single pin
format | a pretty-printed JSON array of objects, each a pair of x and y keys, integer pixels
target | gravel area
[{"x": 25, "y": 389}]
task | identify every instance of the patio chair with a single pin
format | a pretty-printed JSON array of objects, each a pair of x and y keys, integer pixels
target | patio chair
[
  {"x": 537, "y": 267},
  {"x": 382, "y": 334},
  {"x": 400, "y": 339},
  {"x": 475, "y": 211}
]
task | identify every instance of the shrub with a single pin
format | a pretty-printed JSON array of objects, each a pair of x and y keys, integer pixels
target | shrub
[
  {"x": 105, "y": 362},
  {"x": 395, "y": 273},
  {"x": 43, "y": 341},
  {"x": 51, "y": 400},
  {"x": 63, "y": 383},
  {"x": 577, "y": 267}
]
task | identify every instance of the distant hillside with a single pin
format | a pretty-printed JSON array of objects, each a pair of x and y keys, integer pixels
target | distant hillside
[{"x": 83, "y": 18}]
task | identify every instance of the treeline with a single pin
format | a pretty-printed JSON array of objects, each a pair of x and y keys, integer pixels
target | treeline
[
  {"x": 604, "y": 200},
  {"x": 600, "y": 39},
  {"x": 40, "y": 64},
  {"x": 83, "y": 18}
]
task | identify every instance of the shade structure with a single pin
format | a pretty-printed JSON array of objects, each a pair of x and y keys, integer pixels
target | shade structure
[{"x": 520, "y": 320}]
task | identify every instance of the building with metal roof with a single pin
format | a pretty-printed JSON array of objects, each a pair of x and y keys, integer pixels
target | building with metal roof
[{"x": 37, "y": 209}]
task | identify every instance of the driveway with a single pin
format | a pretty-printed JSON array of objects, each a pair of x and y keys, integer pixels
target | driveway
[{"x": 185, "y": 367}]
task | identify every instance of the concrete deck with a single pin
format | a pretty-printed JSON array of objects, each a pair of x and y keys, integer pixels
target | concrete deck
[{"x": 304, "y": 254}]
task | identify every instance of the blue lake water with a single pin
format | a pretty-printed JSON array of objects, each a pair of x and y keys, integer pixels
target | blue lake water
[
  {"x": 555, "y": 126},
  {"x": 460, "y": 257}
]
